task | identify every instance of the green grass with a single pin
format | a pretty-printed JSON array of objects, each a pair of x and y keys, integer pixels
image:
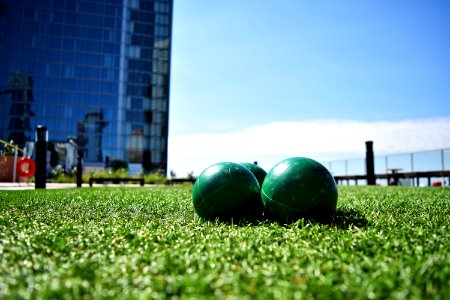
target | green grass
[{"x": 144, "y": 243}]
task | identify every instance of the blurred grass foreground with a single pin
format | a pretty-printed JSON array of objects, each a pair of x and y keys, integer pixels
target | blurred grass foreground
[{"x": 148, "y": 243}]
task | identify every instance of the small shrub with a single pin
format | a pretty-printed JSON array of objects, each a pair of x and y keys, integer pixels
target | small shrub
[
  {"x": 63, "y": 178},
  {"x": 7, "y": 149},
  {"x": 155, "y": 178},
  {"x": 108, "y": 173},
  {"x": 57, "y": 171}
]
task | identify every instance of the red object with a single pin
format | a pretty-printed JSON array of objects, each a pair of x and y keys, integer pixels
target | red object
[
  {"x": 26, "y": 167},
  {"x": 437, "y": 183}
]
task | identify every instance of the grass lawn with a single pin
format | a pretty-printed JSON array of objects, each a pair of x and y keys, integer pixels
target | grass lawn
[{"x": 97, "y": 243}]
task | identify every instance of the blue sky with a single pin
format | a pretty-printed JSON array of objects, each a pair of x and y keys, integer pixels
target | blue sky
[{"x": 244, "y": 68}]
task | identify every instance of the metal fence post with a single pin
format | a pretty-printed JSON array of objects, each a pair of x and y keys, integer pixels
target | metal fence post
[
  {"x": 80, "y": 167},
  {"x": 370, "y": 164},
  {"x": 41, "y": 157},
  {"x": 15, "y": 164}
]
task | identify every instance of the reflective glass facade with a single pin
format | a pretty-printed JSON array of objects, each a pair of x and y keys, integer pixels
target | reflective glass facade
[{"x": 97, "y": 70}]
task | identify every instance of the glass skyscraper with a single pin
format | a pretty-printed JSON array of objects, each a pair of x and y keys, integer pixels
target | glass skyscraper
[{"x": 94, "y": 70}]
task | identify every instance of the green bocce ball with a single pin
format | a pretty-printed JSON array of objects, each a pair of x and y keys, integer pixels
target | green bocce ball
[
  {"x": 299, "y": 187},
  {"x": 259, "y": 172},
  {"x": 260, "y": 175},
  {"x": 225, "y": 190}
]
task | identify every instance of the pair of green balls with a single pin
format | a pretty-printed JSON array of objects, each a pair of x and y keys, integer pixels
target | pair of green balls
[{"x": 295, "y": 187}]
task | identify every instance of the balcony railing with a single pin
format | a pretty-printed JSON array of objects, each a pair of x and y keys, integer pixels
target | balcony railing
[{"x": 419, "y": 168}]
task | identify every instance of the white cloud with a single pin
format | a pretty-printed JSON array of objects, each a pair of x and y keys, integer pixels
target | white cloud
[{"x": 323, "y": 140}]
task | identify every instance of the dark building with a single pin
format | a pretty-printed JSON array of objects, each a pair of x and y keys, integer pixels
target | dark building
[{"x": 96, "y": 69}]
